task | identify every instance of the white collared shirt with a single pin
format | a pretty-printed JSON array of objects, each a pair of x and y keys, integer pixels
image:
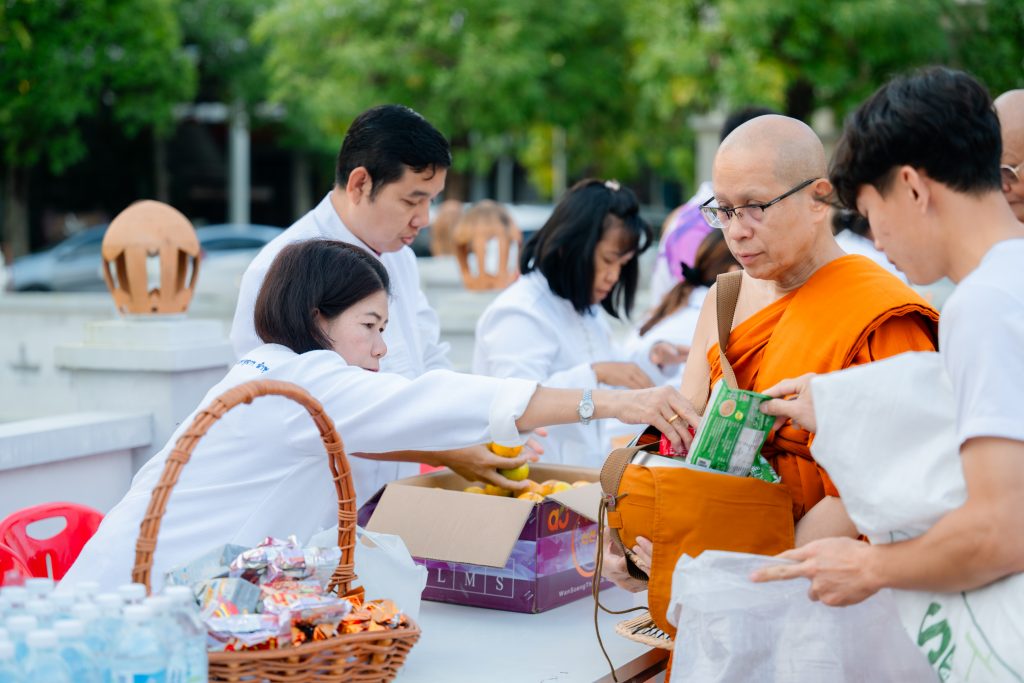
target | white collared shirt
[{"x": 412, "y": 335}]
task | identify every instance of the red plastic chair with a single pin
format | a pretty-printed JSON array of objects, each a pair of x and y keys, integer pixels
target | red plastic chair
[
  {"x": 60, "y": 549},
  {"x": 13, "y": 570}
]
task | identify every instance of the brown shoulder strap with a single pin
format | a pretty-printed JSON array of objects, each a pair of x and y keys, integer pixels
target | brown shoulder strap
[
  {"x": 611, "y": 479},
  {"x": 728, "y": 294}
]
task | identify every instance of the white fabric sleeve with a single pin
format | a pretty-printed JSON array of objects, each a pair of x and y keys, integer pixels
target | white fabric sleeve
[
  {"x": 381, "y": 412},
  {"x": 243, "y": 330},
  {"x": 981, "y": 343},
  {"x": 517, "y": 343}
]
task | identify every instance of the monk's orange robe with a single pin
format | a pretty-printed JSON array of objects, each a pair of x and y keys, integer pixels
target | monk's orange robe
[{"x": 849, "y": 312}]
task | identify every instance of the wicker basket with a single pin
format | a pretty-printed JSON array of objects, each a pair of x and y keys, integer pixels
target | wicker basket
[
  {"x": 367, "y": 656},
  {"x": 642, "y": 629}
]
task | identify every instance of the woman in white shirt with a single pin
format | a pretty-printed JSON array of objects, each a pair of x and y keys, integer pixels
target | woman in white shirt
[
  {"x": 547, "y": 326},
  {"x": 261, "y": 470},
  {"x": 675, "y": 317}
]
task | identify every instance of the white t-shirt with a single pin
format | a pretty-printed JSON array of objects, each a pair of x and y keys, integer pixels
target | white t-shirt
[
  {"x": 261, "y": 470},
  {"x": 981, "y": 338}
]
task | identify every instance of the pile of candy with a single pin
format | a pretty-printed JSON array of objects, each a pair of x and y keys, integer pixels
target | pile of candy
[{"x": 275, "y": 595}]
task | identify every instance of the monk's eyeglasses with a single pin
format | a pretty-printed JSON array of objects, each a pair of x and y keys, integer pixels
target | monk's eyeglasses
[
  {"x": 1010, "y": 174},
  {"x": 720, "y": 216}
]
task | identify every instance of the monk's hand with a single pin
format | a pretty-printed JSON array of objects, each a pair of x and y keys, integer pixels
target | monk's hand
[
  {"x": 661, "y": 407},
  {"x": 792, "y": 401},
  {"x": 478, "y": 463},
  {"x": 840, "y": 570},
  {"x": 666, "y": 354},
  {"x": 614, "y": 569},
  {"x": 627, "y": 375},
  {"x": 641, "y": 554}
]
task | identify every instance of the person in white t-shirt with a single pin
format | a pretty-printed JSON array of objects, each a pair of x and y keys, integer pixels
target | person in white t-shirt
[
  {"x": 261, "y": 469},
  {"x": 391, "y": 165},
  {"x": 937, "y": 210}
]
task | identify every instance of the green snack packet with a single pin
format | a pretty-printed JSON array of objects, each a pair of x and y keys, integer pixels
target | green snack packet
[
  {"x": 763, "y": 471},
  {"x": 732, "y": 431}
]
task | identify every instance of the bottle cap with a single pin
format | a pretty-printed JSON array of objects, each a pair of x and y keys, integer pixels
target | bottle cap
[
  {"x": 6, "y": 649},
  {"x": 22, "y": 624},
  {"x": 135, "y": 614},
  {"x": 68, "y": 629},
  {"x": 133, "y": 593},
  {"x": 85, "y": 612},
  {"x": 42, "y": 639},
  {"x": 39, "y": 586},
  {"x": 160, "y": 604}
]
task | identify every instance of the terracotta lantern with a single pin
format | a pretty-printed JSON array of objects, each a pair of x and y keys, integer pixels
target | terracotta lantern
[
  {"x": 486, "y": 226},
  {"x": 151, "y": 259}
]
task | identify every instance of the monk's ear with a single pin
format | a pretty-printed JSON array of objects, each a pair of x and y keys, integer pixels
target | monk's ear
[
  {"x": 359, "y": 185},
  {"x": 821, "y": 191}
]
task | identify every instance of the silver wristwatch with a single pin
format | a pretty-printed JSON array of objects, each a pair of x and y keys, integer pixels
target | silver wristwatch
[{"x": 586, "y": 407}]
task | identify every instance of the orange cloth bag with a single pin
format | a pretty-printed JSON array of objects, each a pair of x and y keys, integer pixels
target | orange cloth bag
[{"x": 688, "y": 511}]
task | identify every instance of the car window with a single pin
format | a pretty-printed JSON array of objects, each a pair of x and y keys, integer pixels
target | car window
[
  {"x": 88, "y": 247},
  {"x": 228, "y": 243}
]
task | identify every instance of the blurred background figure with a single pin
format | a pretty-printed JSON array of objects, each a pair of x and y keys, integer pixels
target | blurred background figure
[
  {"x": 674, "y": 318},
  {"x": 483, "y": 240},
  {"x": 853, "y": 235},
  {"x": 547, "y": 326},
  {"x": 1010, "y": 109},
  {"x": 684, "y": 228},
  {"x": 448, "y": 214}
]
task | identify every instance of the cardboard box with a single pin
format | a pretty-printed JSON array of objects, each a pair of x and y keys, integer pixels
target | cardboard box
[{"x": 491, "y": 551}]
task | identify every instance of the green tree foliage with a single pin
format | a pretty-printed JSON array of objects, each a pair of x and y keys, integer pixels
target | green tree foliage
[
  {"x": 63, "y": 62},
  {"x": 503, "y": 73},
  {"x": 990, "y": 42}
]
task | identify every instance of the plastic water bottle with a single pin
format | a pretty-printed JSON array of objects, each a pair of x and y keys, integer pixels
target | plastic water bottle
[
  {"x": 44, "y": 663},
  {"x": 171, "y": 635},
  {"x": 18, "y": 629},
  {"x": 76, "y": 653},
  {"x": 39, "y": 587},
  {"x": 137, "y": 655},
  {"x": 107, "y": 627},
  {"x": 15, "y": 598},
  {"x": 44, "y": 611},
  {"x": 10, "y": 671},
  {"x": 86, "y": 591},
  {"x": 62, "y": 601},
  {"x": 132, "y": 593},
  {"x": 186, "y": 613},
  {"x": 90, "y": 616}
]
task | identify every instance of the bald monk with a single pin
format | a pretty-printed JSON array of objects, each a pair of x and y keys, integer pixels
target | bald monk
[
  {"x": 1010, "y": 110},
  {"x": 804, "y": 305}
]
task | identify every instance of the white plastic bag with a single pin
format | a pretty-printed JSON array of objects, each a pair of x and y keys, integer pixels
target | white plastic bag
[
  {"x": 886, "y": 437},
  {"x": 730, "y": 629},
  {"x": 384, "y": 567}
]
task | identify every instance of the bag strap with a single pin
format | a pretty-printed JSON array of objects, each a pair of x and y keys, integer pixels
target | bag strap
[
  {"x": 611, "y": 478},
  {"x": 728, "y": 294}
]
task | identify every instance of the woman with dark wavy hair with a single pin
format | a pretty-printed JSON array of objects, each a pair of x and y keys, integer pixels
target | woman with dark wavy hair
[{"x": 548, "y": 326}]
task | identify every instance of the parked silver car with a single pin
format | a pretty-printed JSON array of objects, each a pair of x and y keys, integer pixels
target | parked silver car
[{"x": 74, "y": 264}]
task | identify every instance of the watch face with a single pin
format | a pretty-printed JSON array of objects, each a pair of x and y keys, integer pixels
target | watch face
[{"x": 586, "y": 408}]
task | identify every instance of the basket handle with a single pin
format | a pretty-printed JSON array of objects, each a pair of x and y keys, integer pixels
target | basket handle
[{"x": 344, "y": 574}]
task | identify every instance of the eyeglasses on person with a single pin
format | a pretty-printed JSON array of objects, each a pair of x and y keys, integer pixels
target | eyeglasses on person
[
  {"x": 1010, "y": 174},
  {"x": 720, "y": 216}
]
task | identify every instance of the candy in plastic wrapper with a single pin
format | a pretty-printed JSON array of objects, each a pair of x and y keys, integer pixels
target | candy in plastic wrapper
[
  {"x": 320, "y": 622},
  {"x": 287, "y": 596},
  {"x": 212, "y": 564},
  {"x": 376, "y": 615},
  {"x": 274, "y": 559},
  {"x": 246, "y": 632},
  {"x": 226, "y": 597}
]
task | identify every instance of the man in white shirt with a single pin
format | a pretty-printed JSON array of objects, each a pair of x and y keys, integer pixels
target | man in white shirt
[
  {"x": 937, "y": 210},
  {"x": 391, "y": 165}
]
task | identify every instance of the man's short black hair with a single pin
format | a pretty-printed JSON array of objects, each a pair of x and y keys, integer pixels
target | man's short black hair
[
  {"x": 563, "y": 249},
  {"x": 312, "y": 277},
  {"x": 385, "y": 140},
  {"x": 741, "y": 116},
  {"x": 938, "y": 120}
]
